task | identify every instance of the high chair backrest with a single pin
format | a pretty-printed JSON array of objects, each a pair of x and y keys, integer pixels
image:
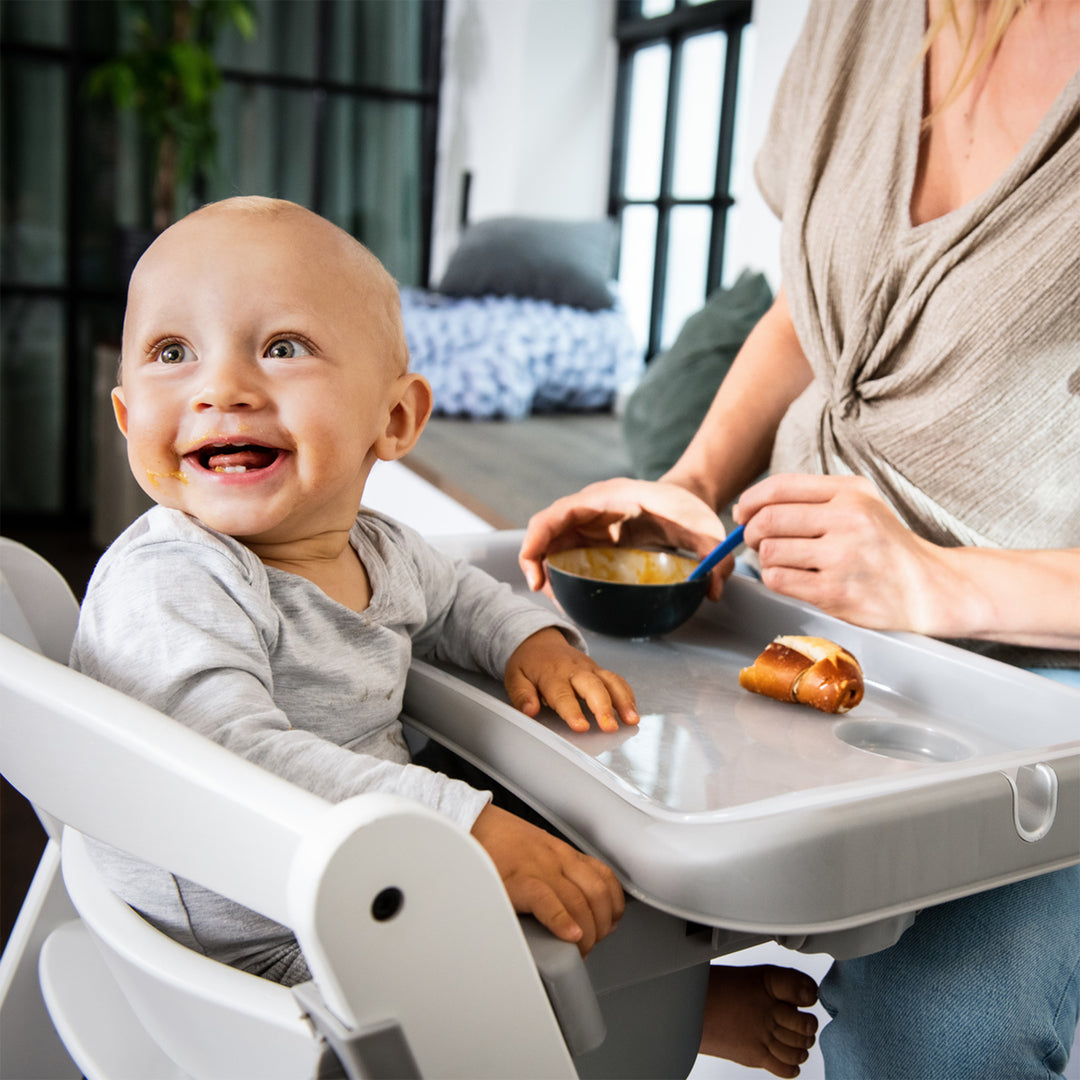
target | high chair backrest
[
  {"x": 37, "y": 607},
  {"x": 401, "y": 916}
]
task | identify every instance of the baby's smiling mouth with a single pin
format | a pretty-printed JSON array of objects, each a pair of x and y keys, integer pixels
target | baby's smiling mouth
[{"x": 236, "y": 457}]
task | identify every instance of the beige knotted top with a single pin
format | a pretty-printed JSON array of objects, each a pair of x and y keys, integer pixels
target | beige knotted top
[{"x": 946, "y": 356}]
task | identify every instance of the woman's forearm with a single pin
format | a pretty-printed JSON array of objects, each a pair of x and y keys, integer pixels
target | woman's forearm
[
  {"x": 734, "y": 442},
  {"x": 1020, "y": 597}
]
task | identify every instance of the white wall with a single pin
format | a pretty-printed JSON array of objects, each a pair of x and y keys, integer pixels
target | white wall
[
  {"x": 753, "y": 238},
  {"x": 528, "y": 97}
]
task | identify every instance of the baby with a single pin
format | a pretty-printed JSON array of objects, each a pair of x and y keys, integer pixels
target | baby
[{"x": 264, "y": 372}]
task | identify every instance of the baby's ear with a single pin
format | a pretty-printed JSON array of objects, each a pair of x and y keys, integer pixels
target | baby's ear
[
  {"x": 410, "y": 406},
  {"x": 120, "y": 409}
]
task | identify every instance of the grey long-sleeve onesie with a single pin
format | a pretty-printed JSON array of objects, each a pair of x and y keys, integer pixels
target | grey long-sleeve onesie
[{"x": 263, "y": 662}]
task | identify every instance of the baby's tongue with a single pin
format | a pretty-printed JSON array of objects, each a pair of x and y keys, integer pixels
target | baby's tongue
[{"x": 250, "y": 457}]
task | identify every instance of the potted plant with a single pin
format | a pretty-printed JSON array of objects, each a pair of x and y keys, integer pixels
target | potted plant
[{"x": 169, "y": 78}]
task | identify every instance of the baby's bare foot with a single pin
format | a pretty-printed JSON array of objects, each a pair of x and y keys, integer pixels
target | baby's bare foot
[{"x": 752, "y": 1017}]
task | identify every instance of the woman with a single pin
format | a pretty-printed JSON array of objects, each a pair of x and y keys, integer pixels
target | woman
[{"x": 915, "y": 393}]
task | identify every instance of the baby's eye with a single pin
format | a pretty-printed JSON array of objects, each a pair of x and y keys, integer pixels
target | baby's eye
[
  {"x": 174, "y": 353},
  {"x": 286, "y": 348}
]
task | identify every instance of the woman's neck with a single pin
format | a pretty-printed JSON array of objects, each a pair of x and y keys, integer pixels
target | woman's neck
[{"x": 974, "y": 140}]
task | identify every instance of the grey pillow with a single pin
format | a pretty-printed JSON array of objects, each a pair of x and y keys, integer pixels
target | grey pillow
[
  {"x": 667, "y": 406},
  {"x": 565, "y": 262}
]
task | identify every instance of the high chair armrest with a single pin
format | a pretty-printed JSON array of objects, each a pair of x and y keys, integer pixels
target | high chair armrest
[
  {"x": 568, "y": 986},
  {"x": 382, "y": 884}
]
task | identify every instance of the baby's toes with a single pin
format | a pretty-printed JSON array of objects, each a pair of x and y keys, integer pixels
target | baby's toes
[
  {"x": 784, "y": 1061},
  {"x": 794, "y": 1029},
  {"x": 789, "y": 1055},
  {"x": 787, "y": 984}
]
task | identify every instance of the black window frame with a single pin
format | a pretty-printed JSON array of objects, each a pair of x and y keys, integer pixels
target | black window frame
[
  {"x": 633, "y": 32},
  {"x": 74, "y": 59}
]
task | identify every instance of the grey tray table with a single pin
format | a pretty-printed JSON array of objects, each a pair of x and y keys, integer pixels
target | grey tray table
[
  {"x": 955, "y": 774},
  {"x": 737, "y": 819}
]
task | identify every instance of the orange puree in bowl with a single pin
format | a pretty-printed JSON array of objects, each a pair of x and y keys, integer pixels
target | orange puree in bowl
[{"x": 628, "y": 566}]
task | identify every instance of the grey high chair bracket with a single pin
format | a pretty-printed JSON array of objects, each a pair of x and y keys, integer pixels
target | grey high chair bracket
[{"x": 379, "y": 1051}]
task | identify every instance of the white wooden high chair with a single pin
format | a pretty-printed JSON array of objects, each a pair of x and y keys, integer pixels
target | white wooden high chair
[{"x": 420, "y": 966}]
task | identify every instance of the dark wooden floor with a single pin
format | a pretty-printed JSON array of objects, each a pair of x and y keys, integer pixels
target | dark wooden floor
[{"x": 506, "y": 470}]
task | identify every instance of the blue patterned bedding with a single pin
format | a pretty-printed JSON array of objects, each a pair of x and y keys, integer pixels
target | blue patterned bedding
[{"x": 503, "y": 356}]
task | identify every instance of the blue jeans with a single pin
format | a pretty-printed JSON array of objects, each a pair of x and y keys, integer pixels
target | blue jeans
[{"x": 983, "y": 988}]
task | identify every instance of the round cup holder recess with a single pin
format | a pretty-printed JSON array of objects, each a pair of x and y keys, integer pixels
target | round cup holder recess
[{"x": 906, "y": 742}]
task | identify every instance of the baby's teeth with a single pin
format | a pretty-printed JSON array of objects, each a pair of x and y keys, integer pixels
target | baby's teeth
[{"x": 231, "y": 468}]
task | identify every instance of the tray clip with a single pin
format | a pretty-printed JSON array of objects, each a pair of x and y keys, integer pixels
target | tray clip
[{"x": 1035, "y": 796}]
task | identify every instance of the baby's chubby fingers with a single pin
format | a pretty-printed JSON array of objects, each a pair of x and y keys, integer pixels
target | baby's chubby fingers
[
  {"x": 547, "y": 669},
  {"x": 587, "y": 891},
  {"x": 607, "y": 695},
  {"x": 600, "y": 891},
  {"x": 575, "y": 896}
]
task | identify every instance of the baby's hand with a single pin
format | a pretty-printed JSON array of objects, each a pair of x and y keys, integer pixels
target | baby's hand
[
  {"x": 575, "y": 896},
  {"x": 547, "y": 668}
]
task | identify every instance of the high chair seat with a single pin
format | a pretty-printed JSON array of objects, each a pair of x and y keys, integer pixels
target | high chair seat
[
  {"x": 249, "y": 1027},
  {"x": 440, "y": 983}
]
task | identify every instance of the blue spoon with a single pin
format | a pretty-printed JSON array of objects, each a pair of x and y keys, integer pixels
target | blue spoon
[{"x": 725, "y": 547}]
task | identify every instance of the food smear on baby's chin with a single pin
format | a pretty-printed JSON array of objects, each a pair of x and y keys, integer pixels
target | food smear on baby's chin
[{"x": 154, "y": 477}]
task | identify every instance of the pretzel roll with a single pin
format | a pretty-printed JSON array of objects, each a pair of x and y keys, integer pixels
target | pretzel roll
[{"x": 808, "y": 670}]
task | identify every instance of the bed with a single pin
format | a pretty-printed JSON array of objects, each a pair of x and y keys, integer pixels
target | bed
[{"x": 525, "y": 319}]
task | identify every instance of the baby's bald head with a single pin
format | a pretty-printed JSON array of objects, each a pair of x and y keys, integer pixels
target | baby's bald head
[{"x": 351, "y": 279}]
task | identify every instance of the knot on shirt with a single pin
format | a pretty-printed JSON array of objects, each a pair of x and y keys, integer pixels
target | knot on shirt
[{"x": 846, "y": 401}]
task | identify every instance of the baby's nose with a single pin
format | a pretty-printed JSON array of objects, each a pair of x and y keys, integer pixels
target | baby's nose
[{"x": 229, "y": 384}]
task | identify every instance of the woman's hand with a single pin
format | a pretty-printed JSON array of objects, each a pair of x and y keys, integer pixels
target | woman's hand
[
  {"x": 835, "y": 543},
  {"x": 546, "y": 668},
  {"x": 626, "y": 512}
]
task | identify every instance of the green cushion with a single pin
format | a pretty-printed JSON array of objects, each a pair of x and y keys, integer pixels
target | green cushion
[{"x": 668, "y": 405}]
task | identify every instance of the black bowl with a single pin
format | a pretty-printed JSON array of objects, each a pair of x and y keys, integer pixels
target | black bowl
[{"x": 625, "y": 592}]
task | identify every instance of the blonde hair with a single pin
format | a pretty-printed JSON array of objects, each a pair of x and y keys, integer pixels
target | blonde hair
[{"x": 999, "y": 15}]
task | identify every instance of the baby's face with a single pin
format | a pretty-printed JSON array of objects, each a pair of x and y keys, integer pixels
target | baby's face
[{"x": 259, "y": 372}]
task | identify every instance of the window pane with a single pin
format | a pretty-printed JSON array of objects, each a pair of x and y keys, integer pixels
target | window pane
[
  {"x": 377, "y": 44},
  {"x": 267, "y": 143},
  {"x": 283, "y": 44},
  {"x": 687, "y": 267},
  {"x": 645, "y": 138},
  {"x": 701, "y": 82},
  {"x": 33, "y": 24},
  {"x": 373, "y": 179},
  {"x": 651, "y": 8},
  {"x": 740, "y": 151},
  {"x": 98, "y": 326},
  {"x": 637, "y": 257},
  {"x": 741, "y": 163},
  {"x": 34, "y": 163},
  {"x": 108, "y": 198},
  {"x": 96, "y": 22},
  {"x": 32, "y": 405}
]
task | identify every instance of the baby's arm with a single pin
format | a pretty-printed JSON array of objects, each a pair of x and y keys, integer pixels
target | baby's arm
[
  {"x": 575, "y": 896},
  {"x": 546, "y": 668}
]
